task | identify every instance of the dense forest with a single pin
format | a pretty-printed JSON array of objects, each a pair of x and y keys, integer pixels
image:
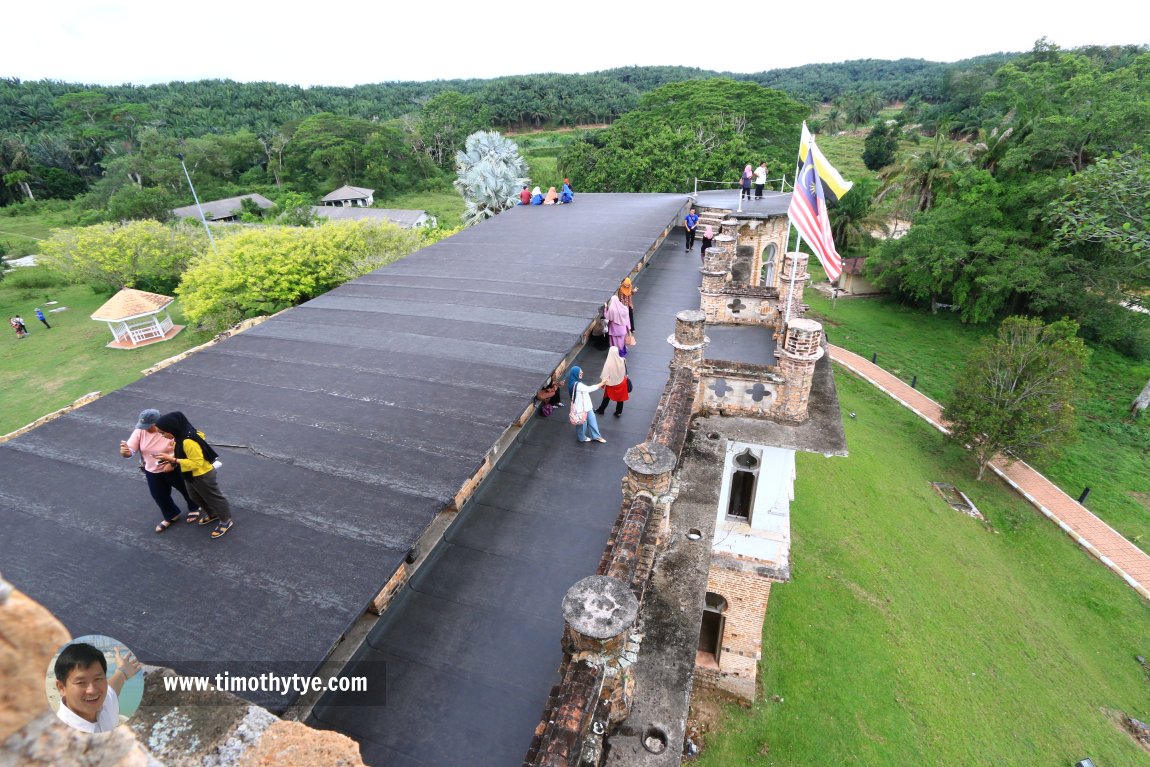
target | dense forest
[
  {"x": 60, "y": 140},
  {"x": 1024, "y": 174}
]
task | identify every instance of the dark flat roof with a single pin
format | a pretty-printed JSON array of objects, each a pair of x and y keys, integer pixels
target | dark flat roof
[
  {"x": 361, "y": 414},
  {"x": 772, "y": 204}
]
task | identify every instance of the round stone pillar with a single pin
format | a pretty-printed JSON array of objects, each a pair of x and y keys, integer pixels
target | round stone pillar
[
  {"x": 801, "y": 350},
  {"x": 689, "y": 339},
  {"x": 793, "y": 263},
  {"x": 649, "y": 470},
  {"x": 598, "y": 611},
  {"x": 730, "y": 228}
]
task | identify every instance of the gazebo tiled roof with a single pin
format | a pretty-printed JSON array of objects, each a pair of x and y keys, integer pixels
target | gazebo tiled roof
[{"x": 130, "y": 303}]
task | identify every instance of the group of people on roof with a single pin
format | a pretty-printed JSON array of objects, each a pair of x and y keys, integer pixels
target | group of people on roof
[{"x": 536, "y": 197}]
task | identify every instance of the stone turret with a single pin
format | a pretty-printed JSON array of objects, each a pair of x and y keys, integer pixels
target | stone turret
[
  {"x": 716, "y": 274},
  {"x": 795, "y": 264},
  {"x": 689, "y": 339},
  {"x": 801, "y": 350}
]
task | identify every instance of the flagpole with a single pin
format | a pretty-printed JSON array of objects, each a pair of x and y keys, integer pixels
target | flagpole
[{"x": 798, "y": 242}]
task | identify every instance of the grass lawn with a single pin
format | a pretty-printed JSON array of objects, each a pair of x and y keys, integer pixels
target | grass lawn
[
  {"x": 20, "y": 235},
  {"x": 446, "y": 205},
  {"x": 52, "y": 368},
  {"x": 1112, "y": 451},
  {"x": 912, "y": 635}
]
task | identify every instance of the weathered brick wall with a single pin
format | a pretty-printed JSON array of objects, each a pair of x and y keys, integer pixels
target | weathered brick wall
[
  {"x": 558, "y": 740},
  {"x": 796, "y": 262},
  {"x": 747, "y": 592},
  {"x": 757, "y": 234},
  {"x": 801, "y": 351},
  {"x": 673, "y": 413},
  {"x": 741, "y": 389}
]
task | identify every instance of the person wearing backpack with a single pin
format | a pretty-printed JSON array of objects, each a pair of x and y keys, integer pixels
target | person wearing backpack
[
  {"x": 197, "y": 460},
  {"x": 146, "y": 442}
]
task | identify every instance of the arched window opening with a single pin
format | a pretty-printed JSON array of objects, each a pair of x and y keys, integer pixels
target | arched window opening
[
  {"x": 768, "y": 273},
  {"x": 742, "y": 494},
  {"x": 711, "y": 632}
]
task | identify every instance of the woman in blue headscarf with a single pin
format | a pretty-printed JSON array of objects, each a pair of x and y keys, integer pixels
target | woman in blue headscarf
[
  {"x": 566, "y": 195},
  {"x": 582, "y": 412}
]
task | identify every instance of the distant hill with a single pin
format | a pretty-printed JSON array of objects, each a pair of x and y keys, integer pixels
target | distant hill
[{"x": 186, "y": 109}]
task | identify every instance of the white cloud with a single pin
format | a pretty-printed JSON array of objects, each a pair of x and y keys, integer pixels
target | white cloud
[{"x": 346, "y": 44}]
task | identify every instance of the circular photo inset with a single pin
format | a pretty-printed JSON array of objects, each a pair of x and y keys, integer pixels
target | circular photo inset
[{"x": 94, "y": 683}]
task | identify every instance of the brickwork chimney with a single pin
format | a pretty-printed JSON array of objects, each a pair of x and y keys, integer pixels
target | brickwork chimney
[
  {"x": 796, "y": 264},
  {"x": 689, "y": 339},
  {"x": 801, "y": 350}
]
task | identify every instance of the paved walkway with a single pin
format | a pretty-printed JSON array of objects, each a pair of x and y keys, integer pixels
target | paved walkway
[{"x": 1090, "y": 532}]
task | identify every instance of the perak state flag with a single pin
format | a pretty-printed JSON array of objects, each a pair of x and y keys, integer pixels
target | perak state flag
[
  {"x": 834, "y": 186},
  {"x": 808, "y": 212}
]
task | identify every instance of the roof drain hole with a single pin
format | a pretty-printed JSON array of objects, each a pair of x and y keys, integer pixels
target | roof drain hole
[{"x": 655, "y": 739}]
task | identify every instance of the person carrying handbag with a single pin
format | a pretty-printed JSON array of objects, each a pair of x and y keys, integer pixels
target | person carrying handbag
[
  {"x": 581, "y": 413},
  {"x": 616, "y": 386}
]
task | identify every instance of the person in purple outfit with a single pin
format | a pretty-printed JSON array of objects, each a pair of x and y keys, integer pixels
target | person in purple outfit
[{"x": 618, "y": 323}]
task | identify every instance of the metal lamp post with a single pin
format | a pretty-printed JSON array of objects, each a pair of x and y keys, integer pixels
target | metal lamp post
[{"x": 196, "y": 197}]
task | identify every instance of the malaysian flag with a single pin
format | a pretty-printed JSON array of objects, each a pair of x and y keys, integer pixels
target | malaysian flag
[{"x": 808, "y": 212}]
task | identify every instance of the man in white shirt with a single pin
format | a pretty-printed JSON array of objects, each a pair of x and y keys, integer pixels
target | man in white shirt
[
  {"x": 89, "y": 699},
  {"x": 760, "y": 180}
]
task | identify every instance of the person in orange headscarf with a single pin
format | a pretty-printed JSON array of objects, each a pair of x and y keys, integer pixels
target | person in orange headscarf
[
  {"x": 552, "y": 197},
  {"x": 626, "y": 291}
]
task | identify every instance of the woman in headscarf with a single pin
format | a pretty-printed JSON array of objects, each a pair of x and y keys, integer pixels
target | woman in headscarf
[
  {"x": 626, "y": 290},
  {"x": 614, "y": 382},
  {"x": 196, "y": 458},
  {"x": 582, "y": 412},
  {"x": 748, "y": 172},
  {"x": 565, "y": 194},
  {"x": 552, "y": 197},
  {"x": 536, "y": 196},
  {"x": 708, "y": 238},
  {"x": 618, "y": 323}
]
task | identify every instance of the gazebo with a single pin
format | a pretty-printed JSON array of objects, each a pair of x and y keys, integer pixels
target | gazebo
[{"x": 137, "y": 318}]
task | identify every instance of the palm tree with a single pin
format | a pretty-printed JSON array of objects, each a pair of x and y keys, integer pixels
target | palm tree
[
  {"x": 921, "y": 175},
  {"x": 833, "y": 122},
  {"x": 489, "y": 174}
]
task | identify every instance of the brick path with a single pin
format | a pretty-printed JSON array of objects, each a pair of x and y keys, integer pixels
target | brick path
[{"x": 1090, "y": 532}]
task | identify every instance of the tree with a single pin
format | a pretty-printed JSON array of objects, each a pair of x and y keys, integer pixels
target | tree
[
  {"x": 141, "y": 254},
  {"x": 445, "y": 123},
  {"x": 133, "y": 203},
  {"x": 264, "y": 270},
  {"x": 854, "y": 222},
  {"x": 293, "y": 209},
  {"x": 697, "y": 129},
  {"x": 1014, "y": 397},
  {"x": 922, "y": 175},
  {"x": 1108, "y": 203},
  {"x": 489, "y": 174},
  {"x": 881, "y": 145}
]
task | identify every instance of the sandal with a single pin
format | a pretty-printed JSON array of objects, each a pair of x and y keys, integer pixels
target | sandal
[
  {"x": 166, "y": 524},
  {"x": 222, "y": 528},
  {"x": 207, "y": 519},
  {"x": 194, "y": 517}
]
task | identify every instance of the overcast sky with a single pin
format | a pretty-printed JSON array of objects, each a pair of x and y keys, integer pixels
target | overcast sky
[{"x": 348, "y": 43}]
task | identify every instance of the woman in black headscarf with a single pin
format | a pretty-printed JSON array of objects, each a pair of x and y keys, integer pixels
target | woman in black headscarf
[{"x": 196, "y": 459}]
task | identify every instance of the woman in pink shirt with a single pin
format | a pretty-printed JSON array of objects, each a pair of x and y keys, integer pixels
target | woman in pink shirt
[{"x": 162, "y": 477}]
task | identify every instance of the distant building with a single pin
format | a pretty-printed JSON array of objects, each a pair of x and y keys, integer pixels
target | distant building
[
  {"x": 408, "y": 219},
  {"x": 852, "y": 280},
  {"x": 228, "y": 209},
  {"x": 137, "y": 318},
  {"x": 350, "y": 197}
]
